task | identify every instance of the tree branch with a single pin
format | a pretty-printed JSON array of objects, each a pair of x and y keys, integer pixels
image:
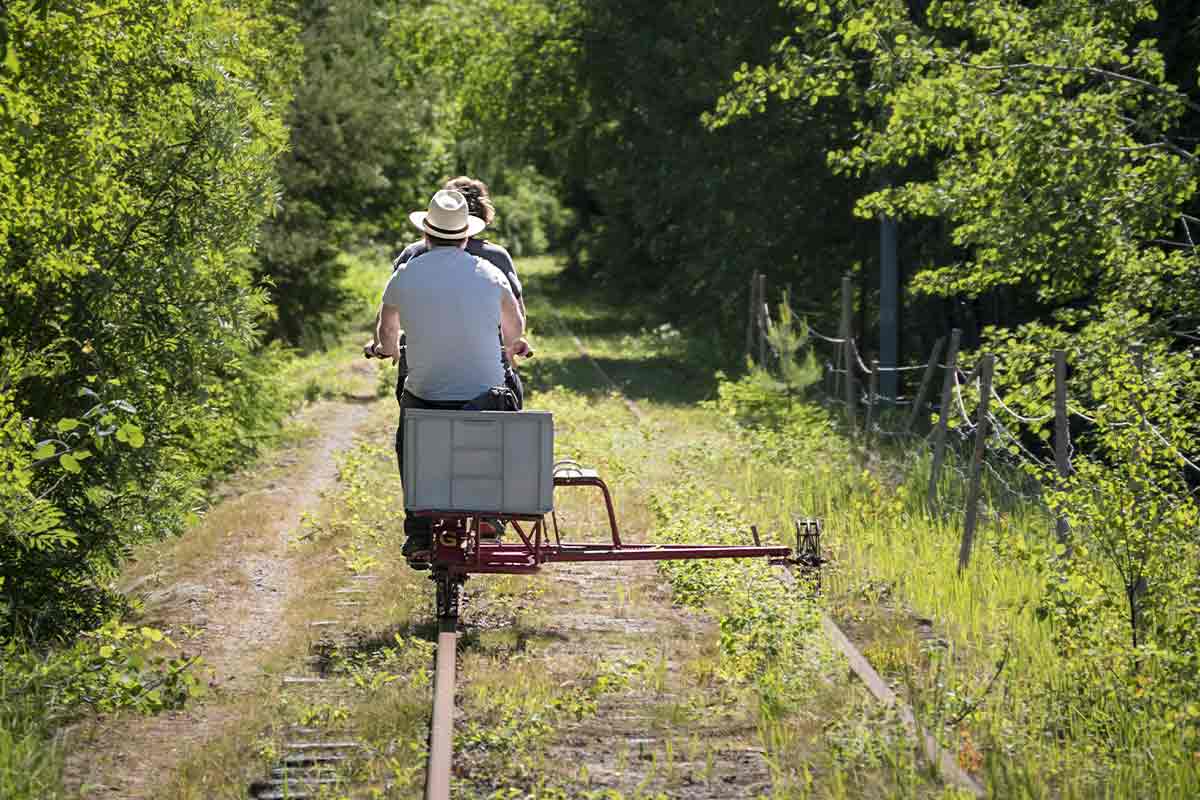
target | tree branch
[
  {"x": 987, "y": 689},
  {"x": 1095, "y": 71}
]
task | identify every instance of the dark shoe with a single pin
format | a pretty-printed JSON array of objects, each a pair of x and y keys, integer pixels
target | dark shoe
[{"x": 416, "y": 550}]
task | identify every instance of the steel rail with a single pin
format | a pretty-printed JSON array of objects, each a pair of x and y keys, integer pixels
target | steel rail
[{"x": 441, "y": 724}]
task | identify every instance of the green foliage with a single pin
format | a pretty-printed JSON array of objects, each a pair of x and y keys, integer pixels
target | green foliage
[
  {"x": 495, "y": 77},
  {"x": 1047, "y": 142},
  {"x": 29, "y": 765},
  {"x": 605, "y": 100},
  {"x": 139, "y": 147},
  {"x": 408, "y": 659},
  {"x": 770, "y": 634},
  {"x": 510, "y": 724},
  {"x": 505, "y": 68},
  {"x": 530, "y": 218},
  {"x": 1125, "y": 601},
  {"x": 363, "y": 152},
  {"x": 797, "y": 371},
  {"x": 117, "y": 666},
  {"x": 1103, "y": 662},
  {"x": 1123, "y": 593},
  {"x": 754, "y": 400},
  {"x": 113, "y": 668},
  {"x": 760, "y": 400},
  {"x": 769, "y": 412}
]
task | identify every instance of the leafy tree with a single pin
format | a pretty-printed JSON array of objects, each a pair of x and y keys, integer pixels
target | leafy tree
[
  {"x": 1050, "y": 143},
  {"x": 362, "y": 150},
  {"x": 1124, "y": 595},
  {"x": 1050, "y": 135},
  {"x": 137, "y": 151},
  {"x": 499, "y": 83},
  {"x": 681, "y": 212}
]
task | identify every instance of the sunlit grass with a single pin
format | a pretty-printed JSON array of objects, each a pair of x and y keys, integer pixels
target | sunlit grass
[
  {"x": 893, "y": 585},
  {"x": 30, "y": 762},
  {"x": 894, "y": 579},
  {"x": 942, "y": 636},
  {"x": 641, "y": 459}
]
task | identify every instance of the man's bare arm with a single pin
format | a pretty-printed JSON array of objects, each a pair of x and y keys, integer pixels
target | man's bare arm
[
  {"x": 522, "y": 347},
  {"x": 387, "y": 331},
  {"x": 369, "y": 347}
]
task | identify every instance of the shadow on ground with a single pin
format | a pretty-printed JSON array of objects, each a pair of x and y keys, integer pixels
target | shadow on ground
[
  {"x": 473, "y": 637},
  {"x": 656, "y": 378},
  {"x": 586, "y": 312}
]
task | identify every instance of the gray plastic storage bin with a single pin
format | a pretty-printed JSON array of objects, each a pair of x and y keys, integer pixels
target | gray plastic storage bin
[{"x": 479, "y": 461}]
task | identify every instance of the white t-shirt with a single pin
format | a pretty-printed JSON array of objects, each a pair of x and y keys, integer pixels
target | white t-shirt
[{"x": 449, "y": 305}]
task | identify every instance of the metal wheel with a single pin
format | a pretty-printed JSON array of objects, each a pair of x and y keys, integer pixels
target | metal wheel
[
  {"x": 808, "y": 552},
  {"x": 449, "y": 593}
]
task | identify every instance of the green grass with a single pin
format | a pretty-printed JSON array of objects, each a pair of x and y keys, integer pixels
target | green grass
[
  {"x": 30, "y": 761},
  {"x": 1028, "y": 731},
  {"x": 669, "y": 475},
  {"x": 1034, "y": 732},
  {"x": 767, "y": 676},
  {"x": 321, "y": 374}
]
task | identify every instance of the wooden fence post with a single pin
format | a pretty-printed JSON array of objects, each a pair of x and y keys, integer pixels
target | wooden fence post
[
  {"x": 926, "y": 379},
  {"x": 762, "y": 323},
  {"x": 750, "y": 314},
  {"x": 834, "y": 364},
  {"x": 848, "y": 350},
  {"x": 872, "y": 397},
  {"x": 981, "y": 433},
  {"x": 1062, "y": 437},
  {"x": 766, "y": 333},
  {"x": 939, "y": 432}
]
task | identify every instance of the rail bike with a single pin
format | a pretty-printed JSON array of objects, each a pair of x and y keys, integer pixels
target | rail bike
[{"x": 477, "y": 474}]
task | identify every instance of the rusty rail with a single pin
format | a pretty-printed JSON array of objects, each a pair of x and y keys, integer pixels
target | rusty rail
[{"x": 441, "y": 724}]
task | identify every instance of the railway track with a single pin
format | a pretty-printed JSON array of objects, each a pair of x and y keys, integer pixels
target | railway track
[
  {"x": 312, "y": 759},
  {"x": 441, "y": 724}
]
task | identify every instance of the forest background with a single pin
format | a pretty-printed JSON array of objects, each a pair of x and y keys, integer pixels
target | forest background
[{"x": 177, "y": 181}]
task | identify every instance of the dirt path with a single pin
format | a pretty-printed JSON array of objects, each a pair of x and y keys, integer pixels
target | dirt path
[{"x": 222, "y": 592}]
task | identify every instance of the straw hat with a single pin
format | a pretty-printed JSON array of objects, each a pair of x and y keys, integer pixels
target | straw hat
[{"x": 447, "y": 217}]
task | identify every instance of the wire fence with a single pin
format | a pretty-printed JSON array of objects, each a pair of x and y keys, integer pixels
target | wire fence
[{"x": 1019, "y": 452}]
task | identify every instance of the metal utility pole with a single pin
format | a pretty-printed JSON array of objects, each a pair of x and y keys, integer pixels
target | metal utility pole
[{"x": 889, "y": 309}]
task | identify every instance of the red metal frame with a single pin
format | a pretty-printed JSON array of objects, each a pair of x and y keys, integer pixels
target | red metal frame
[{"x": 459, "y": 550}]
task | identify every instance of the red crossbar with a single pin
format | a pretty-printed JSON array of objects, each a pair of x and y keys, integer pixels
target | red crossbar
[
  {"x": 459, "y": 549},
  {"x": 666, "y": 552}
]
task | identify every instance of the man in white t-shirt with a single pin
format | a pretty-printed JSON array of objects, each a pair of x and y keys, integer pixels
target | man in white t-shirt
[
  {"x": 479, "y": 204},
  {"x": 449, "y": 305}
]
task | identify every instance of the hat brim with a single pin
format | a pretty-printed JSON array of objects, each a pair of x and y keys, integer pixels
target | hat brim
[{"x": 474, "y": 226}]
